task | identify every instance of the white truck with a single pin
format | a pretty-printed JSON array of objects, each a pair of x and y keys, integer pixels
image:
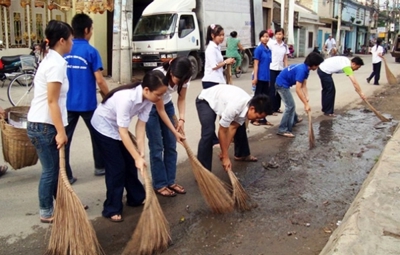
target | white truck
[{"x": 171, "y": 28}]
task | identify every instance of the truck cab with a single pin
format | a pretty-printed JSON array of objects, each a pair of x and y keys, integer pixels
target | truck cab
[{"x": 165, "y": 32}]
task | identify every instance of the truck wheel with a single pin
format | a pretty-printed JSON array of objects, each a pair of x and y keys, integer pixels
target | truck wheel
[
  {"x": 397, "y": 60},
  {"x": 245, "y": 63},
  {"x": 195, "y": 66}
]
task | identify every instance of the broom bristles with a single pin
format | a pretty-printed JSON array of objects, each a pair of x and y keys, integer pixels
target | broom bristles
[
  {"x": 71, "y": 233},
  {"x": 240, "y": 196},
  {"x": 311, "y": 137},
  {"x": 214, "y": 191},
  {"x": 389, "y": 75},
  {"x": 378, "y": 114},
  {"x": 152, "y": 233}
]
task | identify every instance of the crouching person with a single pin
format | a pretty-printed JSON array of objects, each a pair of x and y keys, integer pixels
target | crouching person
[
  {"x": 295, "y": 74},
  {"x": 122, "y": 161},
  {"x": 234, "y": 106}
]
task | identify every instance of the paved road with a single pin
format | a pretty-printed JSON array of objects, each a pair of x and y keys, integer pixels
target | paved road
[{"x": 18, "y": 197}]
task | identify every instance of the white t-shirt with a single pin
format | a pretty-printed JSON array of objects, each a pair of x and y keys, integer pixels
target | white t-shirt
[
  {"x": 213, "y": 58},
  {"x": 167, "y": 97},
  {"x": 330, "y": 43},
  {"x": 278, "y": 54},
  {"x": 53, "y": 68},
  {"x": 375, "y": 51},
  {"x": 338, "y": 64},
  {"x": 119, "y": 110},
  {"x": 229, "y": 102}
]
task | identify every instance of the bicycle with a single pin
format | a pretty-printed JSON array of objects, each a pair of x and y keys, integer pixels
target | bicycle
[
  {"x": 20, "y": 89},
  {"x": 233, "y": 67}
]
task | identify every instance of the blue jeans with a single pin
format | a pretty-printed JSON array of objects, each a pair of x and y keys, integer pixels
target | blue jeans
[
  {"x": 289, "y": 118},
  {"x": 42, "y": 137},
  {"x": 73, "y": 118},
  {"x": 162, "y": 145},
  {"x": 121, "y": 173}
]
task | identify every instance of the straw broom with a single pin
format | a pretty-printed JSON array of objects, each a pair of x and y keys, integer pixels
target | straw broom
[
  {"x": 389, "y": 75},
  {"x": 378, "y": 114},
  {"x": 311, "y": 137},
  {"x": 71, "y": 233},
  {"x": 239, "y": 195},
  {"x": 152, "y": 233}
]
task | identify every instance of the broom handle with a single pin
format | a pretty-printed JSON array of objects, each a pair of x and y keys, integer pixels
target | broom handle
[
  {"x": 380, "y": 116},
  {"x": 63, "y": 171}
]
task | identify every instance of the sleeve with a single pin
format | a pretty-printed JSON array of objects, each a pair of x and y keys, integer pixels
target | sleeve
[
  {"x": 232, "y": 110},
  {"x": 380, "y": 49},
  {"x": 211, "y": 57},
  {"x": 144, "y": 114},
  {"x": 122, "y": 109},
  {"x": 347, "y": 70},
  {"x": 56, "y": 73},
  {"x": 186, "y": 85},
  {"x": 257, "y": 54},
  {"x": 301, "y": 75},
  {"x": 95, "y": 61}
]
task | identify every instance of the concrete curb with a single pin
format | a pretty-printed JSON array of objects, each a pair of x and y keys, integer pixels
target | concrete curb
[{"x": 372, "y": 223}]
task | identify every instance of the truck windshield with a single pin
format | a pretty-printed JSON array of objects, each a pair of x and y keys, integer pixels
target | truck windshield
[{"x": 155, "y": 27}]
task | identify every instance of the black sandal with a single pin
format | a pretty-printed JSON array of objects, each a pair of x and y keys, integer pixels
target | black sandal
[
  {"x": 177, "y": 188},
  {"x": 163, "y": 192}
]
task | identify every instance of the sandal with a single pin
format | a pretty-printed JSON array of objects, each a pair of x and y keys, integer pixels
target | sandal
[
  {"x": 3, "y": 170},
  {"x": 330, "y": 115},
  {"x": 165, "y": 192},
  {"x": 177, "y": 188},
  {"x": 46, "y": 220},
  {"x": 248, "y": 158},
  {"x": 255, "y": 123},
  {"x": 279, "y": 111},
  {"x": 286, "y": 134},
  {"x": 116, "y": 218}
]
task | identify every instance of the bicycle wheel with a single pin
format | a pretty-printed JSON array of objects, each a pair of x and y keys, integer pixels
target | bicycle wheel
[
  {"x": 20, "y": 90},
  {"x": 238, "y": 74}
]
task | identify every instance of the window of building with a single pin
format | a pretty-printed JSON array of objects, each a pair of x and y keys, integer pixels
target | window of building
[
  {"x": 310, "y": 39},
  {"x": 186, "y": 25}
]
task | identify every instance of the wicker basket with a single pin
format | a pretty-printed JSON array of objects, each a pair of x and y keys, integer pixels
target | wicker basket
[{"x": 18, "y": 150}]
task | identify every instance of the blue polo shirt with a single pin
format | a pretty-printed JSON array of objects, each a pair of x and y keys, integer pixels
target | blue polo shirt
[
  {"x": 83, "y": 61},
  {"x": 263, "y": 55},
  {"x": 292, "y": 74}
]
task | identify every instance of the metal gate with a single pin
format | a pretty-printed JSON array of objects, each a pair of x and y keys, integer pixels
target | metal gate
[{"x": 302, "y": 42}]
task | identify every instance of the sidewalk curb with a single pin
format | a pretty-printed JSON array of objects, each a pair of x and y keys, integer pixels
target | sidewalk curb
[{"x": 372, "y": 223}]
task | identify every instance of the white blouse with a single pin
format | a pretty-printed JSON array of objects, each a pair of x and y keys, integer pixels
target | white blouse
[
  {"x": 213, "y": 58},
  {"x": 167, "y": 97}
]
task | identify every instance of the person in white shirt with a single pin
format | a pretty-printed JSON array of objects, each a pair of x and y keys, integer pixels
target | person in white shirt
[
  {"x": 279, "y": 51},
  {"x": 377, "y": 54},
  {"x": 122, "y": 160},
  {"x": 47, "y": 116},
  {"x": 234, "y": 106},
  {"x": 338, "y": 64},
  {"x": 214, "y": 61},
  {"x": 330, "y": 44},
  {"x": 161, "y": 131}
]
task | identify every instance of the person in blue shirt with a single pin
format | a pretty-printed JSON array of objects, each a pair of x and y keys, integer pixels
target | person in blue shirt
[
  {"x": 84, "y": 70},
  {"x": 261, "y": 74},
  {"x": 295, "y": 74}
]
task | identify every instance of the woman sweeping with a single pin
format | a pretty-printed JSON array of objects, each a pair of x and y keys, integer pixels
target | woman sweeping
[
  {"x": 110, "y": 121},
  {"x": 161, "y": 131},
  {"x": 213, "y": 67},
  {"x": 47, "y": 116},
  {"x": 232, "y": 47},
  {"x": 377, "y": 53},
  {"x": 261, "y": 75}
]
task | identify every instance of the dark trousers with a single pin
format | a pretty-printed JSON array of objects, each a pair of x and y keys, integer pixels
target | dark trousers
[
  {"x": 121, "y": 173},
  {"x": 376, "y": 72},
  {"x": 273, "y": 95},
  {"x": 73, "y": 118},
  {"x": 208, "y": 84},
  {"x": 328, "y": 92},
  {"x": 207, "y": 118},
  {"x": 262, "y": 87}
]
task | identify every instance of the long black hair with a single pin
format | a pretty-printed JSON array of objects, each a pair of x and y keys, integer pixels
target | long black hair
[
  {"x": 152, "y": 80},
  {"x": 179, "y": 67},
  {"x": 55, "y": 30},
  {"x": 214, "y": 30}
]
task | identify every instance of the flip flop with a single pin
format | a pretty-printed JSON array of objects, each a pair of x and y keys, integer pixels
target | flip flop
[
  {"x": 286, "y": 134},
  {"x": 46, "y": 220},
  {"x": 255, "y": 123},
  {"x": 248, "y": 158},
  {"x": 177, "y": 188},
  {"x": 330, "y": 115},
  {"x": 163, "y": 192}
]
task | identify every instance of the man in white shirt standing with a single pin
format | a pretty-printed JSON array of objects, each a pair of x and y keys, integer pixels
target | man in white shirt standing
[
  {"x": 234, "y": 106},
  {"x": 377, "y": 53},
  {"x": 330, "y": 43}
]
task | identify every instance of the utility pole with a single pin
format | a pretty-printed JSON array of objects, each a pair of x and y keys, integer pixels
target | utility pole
[
  {"x": 286, "y": 19},
  {"x": 122, "y": 40},
  {"x": 339, "y": 24},
  {"x": 371, "y": 13},
  {"x": 388, "y": 16}
]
